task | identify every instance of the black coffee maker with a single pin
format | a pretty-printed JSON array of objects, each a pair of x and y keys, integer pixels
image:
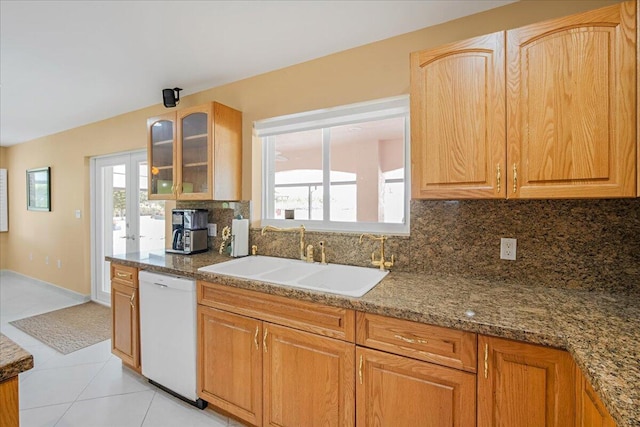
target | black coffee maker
[{"x": 189, "y": 231}]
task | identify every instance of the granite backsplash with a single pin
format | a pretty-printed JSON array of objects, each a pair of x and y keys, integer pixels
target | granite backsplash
[{"x": 581, "y": 244}]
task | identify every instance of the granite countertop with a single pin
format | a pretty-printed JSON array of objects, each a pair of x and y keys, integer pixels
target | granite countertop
[
  {"x": 601, "y": 330},
  {"x": 13, "y": 359}
]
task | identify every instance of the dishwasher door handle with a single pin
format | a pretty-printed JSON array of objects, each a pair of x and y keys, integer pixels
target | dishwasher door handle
[{"x": 161, "y": 285}]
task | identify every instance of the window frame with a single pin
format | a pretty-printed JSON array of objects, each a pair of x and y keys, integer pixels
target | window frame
[{"x": 324, "y": 119}]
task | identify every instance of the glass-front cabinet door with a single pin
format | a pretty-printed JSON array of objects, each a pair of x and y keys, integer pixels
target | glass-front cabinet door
[
  {"x": 194, "y": 158},
  {"x": 162, "y": 141}
]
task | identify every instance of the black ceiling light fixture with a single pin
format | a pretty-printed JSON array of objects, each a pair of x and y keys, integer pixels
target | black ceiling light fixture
[{"x": 171, "y": 97}]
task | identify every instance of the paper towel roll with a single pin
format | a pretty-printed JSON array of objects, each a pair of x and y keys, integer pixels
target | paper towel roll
[{"x": 239, "y": 237}]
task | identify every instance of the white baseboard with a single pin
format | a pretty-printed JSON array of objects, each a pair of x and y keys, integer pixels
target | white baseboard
[{"x": 66, "y": 292}]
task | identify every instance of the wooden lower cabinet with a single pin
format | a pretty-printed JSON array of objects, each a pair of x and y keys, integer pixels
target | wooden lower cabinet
[
  {"x": 591, "y": 412},
  {"x": 397, "y": 391},
  {"x": 230, "y": 363},
  {"x": 125, "y": 329},
  {"x": 524, "y": 385},
  {"x": 308, "y": 379},
  {"x": 9, "y": 403},
  {"x": 271, "y": 375}
]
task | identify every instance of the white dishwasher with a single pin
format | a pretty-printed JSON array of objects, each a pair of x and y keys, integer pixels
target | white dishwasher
[{"x": 168, "y": 334}]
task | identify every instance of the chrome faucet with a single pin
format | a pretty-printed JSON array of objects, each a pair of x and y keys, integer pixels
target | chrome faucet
[{"x": 293, "y": 229}]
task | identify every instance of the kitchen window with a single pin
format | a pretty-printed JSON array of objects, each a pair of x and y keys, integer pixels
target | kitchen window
[{"x": 338, "y": 169}]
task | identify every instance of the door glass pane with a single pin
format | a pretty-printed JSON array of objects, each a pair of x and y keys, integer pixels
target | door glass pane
[
  {"x": 162, "y": 157},
  {"x": 367, "y": 171},
  {"x": 118, "y": 206},
  {"x": 114, "y": 220},
  {"x": 298, "y": 175},
  {"x": 151, "y": 215},
  {"x": 194, "y": 153}
]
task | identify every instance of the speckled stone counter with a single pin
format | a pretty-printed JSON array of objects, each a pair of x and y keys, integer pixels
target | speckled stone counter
[
  {"x": 13, "y": 359},
  {"x": 601, "y": 330}
]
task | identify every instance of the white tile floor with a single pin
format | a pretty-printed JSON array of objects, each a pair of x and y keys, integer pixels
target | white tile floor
[{"x": 89, "y": 387}]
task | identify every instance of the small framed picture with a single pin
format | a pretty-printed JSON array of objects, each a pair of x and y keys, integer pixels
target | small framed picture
[{"x": 39, "y": 189}]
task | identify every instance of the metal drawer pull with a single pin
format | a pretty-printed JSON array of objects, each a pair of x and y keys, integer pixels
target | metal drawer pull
[
  {"x": 120, "y": 274},
  {"x": 264, "y": 339},
  {"x": 360, "y": 369},
  {"x": 486, "y": 360},
  {"x": 410, "y": 340},
  {"x": 255, "y": 338}
]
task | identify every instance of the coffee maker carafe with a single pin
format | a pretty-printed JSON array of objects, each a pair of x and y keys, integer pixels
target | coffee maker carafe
[{"x": 189, "y": 231}]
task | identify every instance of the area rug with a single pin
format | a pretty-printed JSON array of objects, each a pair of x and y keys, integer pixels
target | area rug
[{"x": 71, "y": 328}]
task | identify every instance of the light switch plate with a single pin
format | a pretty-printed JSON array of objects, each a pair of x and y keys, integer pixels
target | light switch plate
[{"x": 508, "y": 248}]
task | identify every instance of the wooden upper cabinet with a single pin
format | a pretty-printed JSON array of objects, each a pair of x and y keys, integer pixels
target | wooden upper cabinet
[
  {"x": 524, "y": 385},
  {"x": 161, "y": 156},
  {"x": 458, "y": 120},
  {"x": 571, "y": 109},
  {"x": 196, "y": 154},
  {"x": 193, "y": 159}
]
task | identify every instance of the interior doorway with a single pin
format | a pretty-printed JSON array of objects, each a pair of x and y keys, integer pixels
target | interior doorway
[{"x": 124, "y": 219}]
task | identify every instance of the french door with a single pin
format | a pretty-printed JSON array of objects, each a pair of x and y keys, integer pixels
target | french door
[{"x": 124, "y": 220}]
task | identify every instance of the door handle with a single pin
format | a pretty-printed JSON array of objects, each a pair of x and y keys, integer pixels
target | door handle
[
  {"x": 133, "y": 297},
  {"x": 255, "y": 338},
  {"x": 264, "y": 339},
  {"x": 160, "y": 285}
]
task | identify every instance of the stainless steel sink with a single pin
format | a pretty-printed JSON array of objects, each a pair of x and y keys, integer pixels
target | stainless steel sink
[{"x": 334, "y": 278}]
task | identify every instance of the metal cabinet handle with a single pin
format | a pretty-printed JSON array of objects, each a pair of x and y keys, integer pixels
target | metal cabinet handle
[
  {"x": 133, "y": 297},
  {"x": 360, "y": 368},
  {"x": 120, "y": 274},
  {"x": 515, "y": 178},
  {"x": 486, "y": 360},
  {"x": 410, "y": 340},
  {"x": 264, "y": 339},
  {"x": 255, "y": 338},
  {"x": 498, "y": 178}
]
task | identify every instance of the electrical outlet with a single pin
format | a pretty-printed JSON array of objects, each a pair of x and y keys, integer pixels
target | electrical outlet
[
  {"x": 59, "y": 264},
  {"x": 46, "y": 260},
  {"x": 508, "y": 248},
  {"x": 30, "y": 256}
]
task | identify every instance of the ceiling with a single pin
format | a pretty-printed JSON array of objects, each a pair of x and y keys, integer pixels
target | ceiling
[{"x": 64, "y": 64}]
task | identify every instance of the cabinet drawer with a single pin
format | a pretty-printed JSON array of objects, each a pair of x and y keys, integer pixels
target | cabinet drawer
[
  {"x": 124, "y": 275},
  {"x": 333, "y": 322},
  {"x": 444, "y": 346}
]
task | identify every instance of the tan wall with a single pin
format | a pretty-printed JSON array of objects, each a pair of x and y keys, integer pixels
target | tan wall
[{"x": 369, "y": 72}]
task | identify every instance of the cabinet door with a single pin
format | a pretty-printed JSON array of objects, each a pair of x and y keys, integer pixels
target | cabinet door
[
  {"x": 591, "y": 412},
  {"x": 524, "y": 385},
  {"x": 125, "y": 340},
  {"x": 161, "y": 143},
  {"x": 230, "y": 363},
  {"x": 227, "y": 153},
  {"x": 308, "y": 379},
  {"x": 571, "y": 106},
  {"x": 458, "y": 120},
  {"x": 194, "y": 153},
  {"x": 397, "y": 391}
]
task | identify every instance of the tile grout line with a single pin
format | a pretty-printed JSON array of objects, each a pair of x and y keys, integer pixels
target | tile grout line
[
  {"x": 155, "y": 393},
  {"x": 82, "y": 391}
]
